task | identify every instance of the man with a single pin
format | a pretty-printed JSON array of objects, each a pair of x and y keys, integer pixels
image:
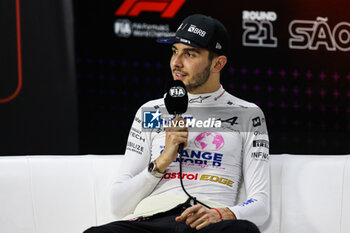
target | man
[{"x": 148, "y": 194}]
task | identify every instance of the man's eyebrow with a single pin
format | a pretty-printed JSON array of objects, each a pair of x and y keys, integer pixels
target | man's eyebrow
[
  {"x": 196, "y": 50},
  {"x": 192, "y": 50}
]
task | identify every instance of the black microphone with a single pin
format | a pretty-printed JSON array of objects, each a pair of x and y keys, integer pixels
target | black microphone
[{"x": 176, "y": 101}]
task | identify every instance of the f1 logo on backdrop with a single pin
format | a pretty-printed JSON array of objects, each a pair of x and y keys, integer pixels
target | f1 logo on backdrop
[{"x": 169, "y": 8}]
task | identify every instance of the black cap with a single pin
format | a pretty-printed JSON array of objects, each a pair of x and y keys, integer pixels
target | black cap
[{"x": 203, "y": 32}]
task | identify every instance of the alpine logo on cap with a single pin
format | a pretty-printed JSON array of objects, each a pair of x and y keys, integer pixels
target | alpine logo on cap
[
  {"x": 181, "y": 27},
  {"x": 195, "y": 30}
]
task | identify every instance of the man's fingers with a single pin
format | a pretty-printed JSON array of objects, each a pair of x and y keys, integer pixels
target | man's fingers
[
  {"x": 201, "y": 223},
  {"x": 181, "y": 219},
  {"x": 176, "y": 129},
  {"x": 197, "y": 217},
  {"x": 191, "y": 218},
  {"x": 176, "y": 125},
  {"x": 178, "y": 138},
  {"x": 188, "y": 213},
  {"x": 192, "y": 209}
]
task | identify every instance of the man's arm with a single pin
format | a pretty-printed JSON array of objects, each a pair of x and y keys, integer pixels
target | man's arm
[
  {"x": 133, "y": 182},
  {"x": 173, "y": 138},
  {"x": 256, "y": 177},
  {"x": 256, "y": 171}
]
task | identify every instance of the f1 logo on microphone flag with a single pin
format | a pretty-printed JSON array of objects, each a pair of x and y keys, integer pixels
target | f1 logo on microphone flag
[{"x": 152, "y": 119}]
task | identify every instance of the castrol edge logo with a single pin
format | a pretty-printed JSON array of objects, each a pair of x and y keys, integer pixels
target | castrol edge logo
[{"x": 196, "y": 176}]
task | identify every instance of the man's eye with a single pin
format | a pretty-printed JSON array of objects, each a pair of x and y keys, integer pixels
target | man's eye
[
  {"x": 174, "y": 51},
  {"x": 190, "y": 54}
]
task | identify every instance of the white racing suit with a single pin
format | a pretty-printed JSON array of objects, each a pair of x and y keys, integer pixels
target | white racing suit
[{"x": 214, "y": 162}]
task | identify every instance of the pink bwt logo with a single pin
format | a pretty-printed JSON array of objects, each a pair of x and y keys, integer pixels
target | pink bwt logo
[{"x": 209, "y": 141}]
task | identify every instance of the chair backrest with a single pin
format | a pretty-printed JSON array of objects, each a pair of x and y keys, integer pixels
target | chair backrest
[
  {"x": 309, "y": 194},
  {"x": 55, "y": 194}
]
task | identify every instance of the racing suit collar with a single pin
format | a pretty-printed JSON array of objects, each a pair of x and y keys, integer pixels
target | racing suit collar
[{"x": 206, "y": 97}]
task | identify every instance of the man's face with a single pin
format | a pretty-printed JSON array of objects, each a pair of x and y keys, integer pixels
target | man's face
[{"x": 190, "y": 65}]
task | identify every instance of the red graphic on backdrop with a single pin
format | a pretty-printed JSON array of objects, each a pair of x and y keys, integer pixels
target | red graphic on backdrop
[
  {"x": 19, "y": 57},
  {"x": 169, "y": 8}
]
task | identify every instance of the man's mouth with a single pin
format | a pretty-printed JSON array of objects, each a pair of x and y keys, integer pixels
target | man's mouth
[{"x": 179, "y": 75}]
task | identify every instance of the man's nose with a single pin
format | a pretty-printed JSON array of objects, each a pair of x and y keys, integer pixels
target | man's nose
[{"x": 176, "y": 61}]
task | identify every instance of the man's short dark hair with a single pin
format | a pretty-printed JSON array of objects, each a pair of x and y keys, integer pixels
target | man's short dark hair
[{"x": 212, "y": 55}]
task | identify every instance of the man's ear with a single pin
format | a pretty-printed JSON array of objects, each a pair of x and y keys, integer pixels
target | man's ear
[{"x": 219, "y": 63}]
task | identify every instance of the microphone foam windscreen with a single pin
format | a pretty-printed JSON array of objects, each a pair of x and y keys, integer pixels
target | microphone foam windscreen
[{"x": 176, "y": 98}]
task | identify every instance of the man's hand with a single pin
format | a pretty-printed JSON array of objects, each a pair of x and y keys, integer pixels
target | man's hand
[
  {"x": 173, "y": 138},
  {"x": 199, "y": 217}
]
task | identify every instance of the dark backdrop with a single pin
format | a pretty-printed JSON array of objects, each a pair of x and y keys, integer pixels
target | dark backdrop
[
  {"x": 289, "y": 57},
  {"x": 293, "y": 63},
  {"x": 38, "y": 99}
]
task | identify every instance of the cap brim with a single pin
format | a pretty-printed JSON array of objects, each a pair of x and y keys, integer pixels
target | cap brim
[
  {"x": 170, "y": 40},
  {"x": 173, "y": 40}
]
